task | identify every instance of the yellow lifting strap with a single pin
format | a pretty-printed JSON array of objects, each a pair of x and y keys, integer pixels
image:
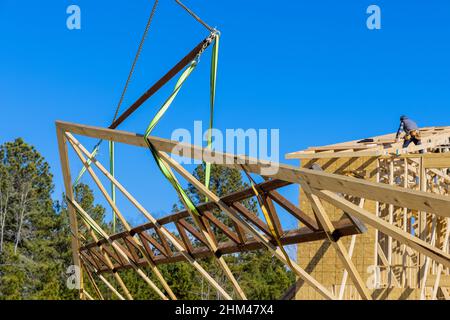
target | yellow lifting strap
[
  {"x": 161, "y": 164},
  {"x": 269, "y": 221},
  {"x": 165, "y": 170}
]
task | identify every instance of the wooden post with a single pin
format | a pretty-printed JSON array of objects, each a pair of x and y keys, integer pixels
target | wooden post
[
  {"x": 377, "y": 214},
  {"x": 440, "y": 267},
  {"x": 391, "y": 221},
  {"x": 405, "y": 221},
  {"x": 75, "y": 246},
  {"x": 398, "y": 234},
  {"x": 350, "y": 254},
  {"x": 422, "y": 219}
]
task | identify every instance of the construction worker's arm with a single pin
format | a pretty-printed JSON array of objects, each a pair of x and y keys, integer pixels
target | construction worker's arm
[{"x": 399, "y": 131}]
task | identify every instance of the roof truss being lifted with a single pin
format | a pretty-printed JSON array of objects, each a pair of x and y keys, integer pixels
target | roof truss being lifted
[{"x": 152, "y": 244}]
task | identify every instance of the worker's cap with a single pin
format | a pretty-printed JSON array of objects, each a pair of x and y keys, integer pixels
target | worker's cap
[{"x": 403, "y": 117}]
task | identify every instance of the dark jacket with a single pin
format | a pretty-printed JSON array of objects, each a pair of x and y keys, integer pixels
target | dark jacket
[{"x": 406, "y": 125}]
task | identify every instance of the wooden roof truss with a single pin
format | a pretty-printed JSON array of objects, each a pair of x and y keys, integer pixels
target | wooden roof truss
[{"x": 145, "y": 247}]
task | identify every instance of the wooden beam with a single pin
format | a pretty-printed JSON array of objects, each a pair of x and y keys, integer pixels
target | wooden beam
[
  {"x": 423, "y": 284},
  {"x": 155, "y": 243},
  {"x": 221, "y": 226},
  {"x": 92, "y": 281},
  {"x": 440, "y": 267},
  {"x": 386, "y": 263},
  {"x": 350, "y": 254},
  {"x": 442, "y": 162},
  {"x": 233, "y": 214},
  {"x": 211, "y": 244},
  {"x": 119, "y": 249},
  {"x": 125, "y": 224},
  {"x": 253, "y": 218},
  {"x": 65, "y": 167},
  {"x": 161, "y": 82},
  {"x": 156, "y": 224},
  {"x": 396, "y": 233},
  {"x": 197, "y": 235},
  {"x": 106, "y": 282},
  {"x": 391, "y": 221},
  {"x": 319, "y": 180},
  {"x": 292, "y": 209},
  {"x": 271, "y": 211}
]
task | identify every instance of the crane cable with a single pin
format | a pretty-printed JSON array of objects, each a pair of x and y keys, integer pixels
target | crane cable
[
  {"x": 213, "y": 77},
  {"x": 166, "y": 171},
  {"x": 196, "y": 17},
  {"x": 136, "y": 58},
  {"x": 130, "y": 75}
]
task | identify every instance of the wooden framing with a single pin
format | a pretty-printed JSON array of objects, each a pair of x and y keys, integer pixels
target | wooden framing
[
  {"x": 385, "y": 145},
  {"x": 152, "y": 244},
  {"x": 403, "y": 270}
]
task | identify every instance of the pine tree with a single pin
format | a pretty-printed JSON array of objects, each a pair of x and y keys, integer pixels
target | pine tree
[{"x": 30, "y": 260}]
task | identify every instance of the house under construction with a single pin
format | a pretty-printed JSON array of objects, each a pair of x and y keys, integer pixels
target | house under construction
[{"x": 391, "y": 268}]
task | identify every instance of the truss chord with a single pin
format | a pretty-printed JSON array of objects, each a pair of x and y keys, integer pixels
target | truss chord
[
  {"x": 323, "y": 187},
  {"x": 89, "y": 220},
  {"x": 106, "y": 282},
  {"x": 233, "y": 215},
  {"x": 171, "y": 238},
  {"x": 276, "y": 233}
]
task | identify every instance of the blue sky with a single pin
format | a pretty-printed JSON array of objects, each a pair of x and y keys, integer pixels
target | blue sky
[{"x": 309, "y": 68}]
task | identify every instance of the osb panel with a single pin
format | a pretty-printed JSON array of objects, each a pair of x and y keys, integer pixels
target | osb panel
[{"x": 319, "y": 258}]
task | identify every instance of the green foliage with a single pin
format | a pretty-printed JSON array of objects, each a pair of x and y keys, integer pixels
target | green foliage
[
  {"x": 263, "y": 277},
  {"x": 31, "y": 264}
]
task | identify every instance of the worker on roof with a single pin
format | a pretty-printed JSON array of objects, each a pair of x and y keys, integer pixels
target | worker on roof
[{"x": 412, "y": 133}]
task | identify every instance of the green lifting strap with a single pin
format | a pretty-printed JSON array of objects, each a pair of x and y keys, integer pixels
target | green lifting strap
[
  {"x": 214, "y": 60},
  {"x": 83, "y": 170},
  {"x": 87, "y": 219},
  {"x": 161, "y": 164}
]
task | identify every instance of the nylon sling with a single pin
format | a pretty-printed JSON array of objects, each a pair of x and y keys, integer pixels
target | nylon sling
[{"x": 269, "y": 221}]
